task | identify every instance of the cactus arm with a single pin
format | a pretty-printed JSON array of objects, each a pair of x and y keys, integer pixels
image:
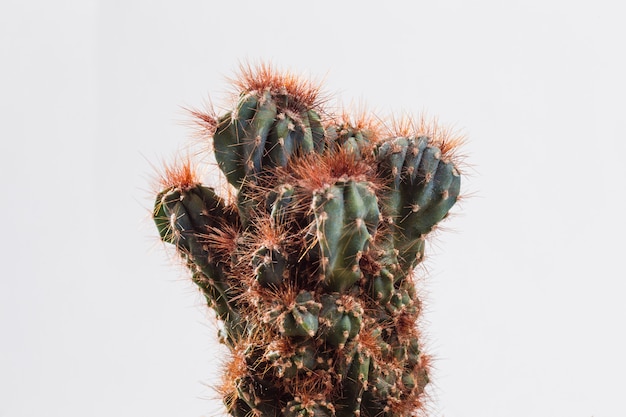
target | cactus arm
[
  {"x": 228, "y": 139},
  {"x": 346, "y": 215}
]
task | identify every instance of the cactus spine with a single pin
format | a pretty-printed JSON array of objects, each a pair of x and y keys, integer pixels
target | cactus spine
[{"x": 310, "y": 270}]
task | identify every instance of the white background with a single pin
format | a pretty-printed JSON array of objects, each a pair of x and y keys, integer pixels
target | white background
[{"x": 525, "y": 292}]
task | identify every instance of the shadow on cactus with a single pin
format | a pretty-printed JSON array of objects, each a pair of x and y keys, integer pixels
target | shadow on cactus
[{"x": 310, "y": 268}]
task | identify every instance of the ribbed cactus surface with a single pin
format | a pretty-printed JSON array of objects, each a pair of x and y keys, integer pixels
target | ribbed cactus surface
[{"x": 310, "y": 268}]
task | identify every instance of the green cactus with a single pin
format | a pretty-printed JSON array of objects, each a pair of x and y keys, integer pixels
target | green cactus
[
  {"x": 310, "y": 268},
  {"x": 264, "y": 131},
  {"x": 346, "y": 217}
]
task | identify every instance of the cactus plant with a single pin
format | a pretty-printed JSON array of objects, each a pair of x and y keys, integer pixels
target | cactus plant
[{"x": 310, "y": 269}]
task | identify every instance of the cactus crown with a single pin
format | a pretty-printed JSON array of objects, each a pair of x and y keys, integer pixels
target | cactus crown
[
  {"x": 297, "y": 93},
  {"x": 310, "y": 269}
]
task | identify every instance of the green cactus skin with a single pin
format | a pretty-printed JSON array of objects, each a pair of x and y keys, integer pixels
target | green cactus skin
[
  {"x": 346, "y": 216},
  {"x": 310, "y": 269},
  {"x": 298, "y": 319},
  {"x": 422, "y": 191},
  {"x": 263, "y": 132},
  {"x": 297, "y": 408},
  {"x": 269, "y": 266},
  {"x": 341, "y": 319},
  {"x": 352, "y": 139},
  {"x": 179, "y": 215}
]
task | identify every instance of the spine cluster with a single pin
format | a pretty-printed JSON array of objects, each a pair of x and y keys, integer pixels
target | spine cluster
[{"x": 310, "y": 269}]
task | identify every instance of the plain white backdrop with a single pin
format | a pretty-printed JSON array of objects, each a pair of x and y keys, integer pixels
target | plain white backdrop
[{"x": 525, "y": 292}]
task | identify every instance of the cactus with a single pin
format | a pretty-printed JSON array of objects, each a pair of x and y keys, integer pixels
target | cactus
[{"x": 310, "y": 268}]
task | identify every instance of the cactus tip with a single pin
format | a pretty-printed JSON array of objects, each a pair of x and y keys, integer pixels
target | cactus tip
[
  {"x": 180, "y": 173},
  {"x": 264, "y": 76},
  {"x": 203, "y": 121},
  {"x": 449, "y": 141},
  {"x": 315, "y": 171},
  {"x": 360, "y": 118}
]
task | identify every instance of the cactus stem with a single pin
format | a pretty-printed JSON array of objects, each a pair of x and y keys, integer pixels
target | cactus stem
[{"x": 309, "y": 267}]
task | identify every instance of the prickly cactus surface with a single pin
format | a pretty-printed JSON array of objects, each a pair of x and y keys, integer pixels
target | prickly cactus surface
[{"x": 310, "y": 268}]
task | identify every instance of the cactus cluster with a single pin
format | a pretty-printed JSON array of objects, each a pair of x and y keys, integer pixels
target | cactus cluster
[{"x": 309, "y": 269}]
